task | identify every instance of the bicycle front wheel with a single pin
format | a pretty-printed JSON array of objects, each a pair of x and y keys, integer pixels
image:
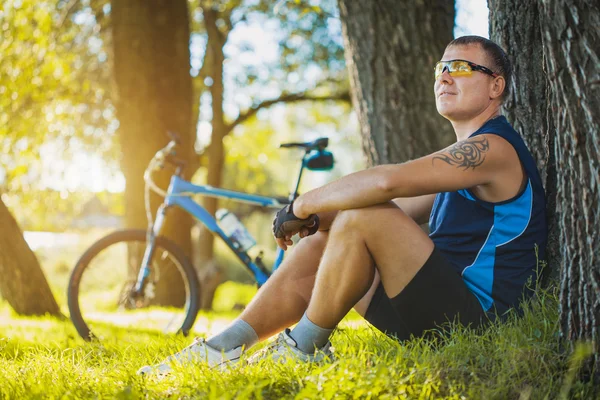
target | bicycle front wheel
[{"x": 99, "y": 292}]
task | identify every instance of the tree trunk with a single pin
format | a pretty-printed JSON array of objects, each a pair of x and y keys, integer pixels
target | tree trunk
[
  {"x": 391, "y": 49},
  {"x": 559, "y": 41},
  {"x": 212, "y": 275},
  {"x": 571, "y": 37},
  {"x": 516, "y": 25},
  {"x": 152, "y": 73},
  {"x": 23, "y": 284}
]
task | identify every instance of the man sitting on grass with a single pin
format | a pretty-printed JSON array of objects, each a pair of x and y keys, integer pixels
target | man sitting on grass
[{"x": 363, "y": 246}]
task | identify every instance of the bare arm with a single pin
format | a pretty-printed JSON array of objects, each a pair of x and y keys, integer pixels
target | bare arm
[
  {"x": 476, "y": 161},
  {"x": 418, "y": 208}
]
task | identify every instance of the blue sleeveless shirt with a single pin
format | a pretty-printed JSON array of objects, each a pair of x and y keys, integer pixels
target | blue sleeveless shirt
[{"x": 494, "y": 246}]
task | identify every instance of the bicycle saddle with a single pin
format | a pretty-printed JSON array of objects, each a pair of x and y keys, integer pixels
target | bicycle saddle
[{"x": 319, "y": 144}]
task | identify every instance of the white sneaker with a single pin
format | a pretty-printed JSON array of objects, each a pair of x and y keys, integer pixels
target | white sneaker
[
  {"x": 197, "y": 352},
  {"x": 285, "y": 347}
]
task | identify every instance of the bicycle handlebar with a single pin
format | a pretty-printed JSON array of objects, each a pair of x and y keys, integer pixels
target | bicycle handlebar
[
  {"x": 174, "y": 137},
  {"x": 165, "y": 154},
  {"x": 157, "y": 163},
  {"x": 319, "y": 144}
]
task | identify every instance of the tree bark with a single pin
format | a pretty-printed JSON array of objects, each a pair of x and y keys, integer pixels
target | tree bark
[
  {"x": 23, "y": 284},
  {"x": 560, "y": 60},
  {"x": 515, "y": 26},
  {"x": 391, "y": 49},
  {"x": 152, "y": 74},
  {"x": 571, "y": 41}
]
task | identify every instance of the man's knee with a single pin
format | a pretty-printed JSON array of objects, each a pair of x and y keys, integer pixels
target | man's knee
[
  {"x": 346, "y": 218},
  {"x": 360, "y": 217}
]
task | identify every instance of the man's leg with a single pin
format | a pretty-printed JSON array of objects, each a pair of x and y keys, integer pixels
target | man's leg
[
  {"x": 281, "y": 301},
  {"x": 382, "y": 236}
]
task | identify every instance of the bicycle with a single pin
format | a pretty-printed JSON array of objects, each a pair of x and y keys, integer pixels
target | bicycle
[{"x": 136, "y": 284}]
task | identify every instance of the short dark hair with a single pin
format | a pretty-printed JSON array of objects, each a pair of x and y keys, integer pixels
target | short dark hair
[{"x": 496, "y": 55}]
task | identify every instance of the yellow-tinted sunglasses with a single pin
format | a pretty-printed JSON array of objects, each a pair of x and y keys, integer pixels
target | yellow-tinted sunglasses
[{"x": 460, "y": 68}]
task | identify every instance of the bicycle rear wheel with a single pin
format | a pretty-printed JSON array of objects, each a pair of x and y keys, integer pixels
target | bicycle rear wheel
[{"x": 100, "y": 285}]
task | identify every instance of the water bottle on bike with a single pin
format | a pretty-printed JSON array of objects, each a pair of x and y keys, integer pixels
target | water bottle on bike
[{"x": 235, "y": 230}]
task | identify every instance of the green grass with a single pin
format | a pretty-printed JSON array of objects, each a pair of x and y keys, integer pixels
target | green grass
[{"x": 520, "y": 359}]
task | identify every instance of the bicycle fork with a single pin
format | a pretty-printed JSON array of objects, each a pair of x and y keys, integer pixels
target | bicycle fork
[{"x": 151, "y": 235}]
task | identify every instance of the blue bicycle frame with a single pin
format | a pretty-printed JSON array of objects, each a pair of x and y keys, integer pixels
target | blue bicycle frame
[{"x": 178, "y": 195}]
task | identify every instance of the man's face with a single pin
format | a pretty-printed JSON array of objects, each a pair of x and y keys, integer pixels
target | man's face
[{"x": 459, "y": 98}]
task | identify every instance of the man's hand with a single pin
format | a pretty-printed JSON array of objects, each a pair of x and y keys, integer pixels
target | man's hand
[{"x": 286, "y": 225}]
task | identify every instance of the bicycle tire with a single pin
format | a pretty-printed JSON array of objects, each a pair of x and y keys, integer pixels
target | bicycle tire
[{"x": 183, "y": 263}]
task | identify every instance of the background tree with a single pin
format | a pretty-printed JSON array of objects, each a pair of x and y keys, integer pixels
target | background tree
[
  {"x": 23, "y": 284},
  {"x": 555, "y": 48},
  {"x": 154, "y": 96},
  {"x": 391, "y": 48}
]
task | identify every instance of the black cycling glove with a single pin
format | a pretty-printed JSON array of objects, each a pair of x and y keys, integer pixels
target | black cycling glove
[{"x": 286, "y": 223}]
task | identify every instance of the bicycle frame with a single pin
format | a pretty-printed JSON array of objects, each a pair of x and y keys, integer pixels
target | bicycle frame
[
  {"x": 175, "y": 198},
  {"x": 178, "y": 195}
]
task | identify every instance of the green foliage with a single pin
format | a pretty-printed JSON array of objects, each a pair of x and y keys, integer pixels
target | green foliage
[
  {"x": 312, "y": 33},
  {"x": 520, "y": 359},
  {"x": 54, "y": 96},
  {"x": 55, "y": 80},
  {"x": 307, "y": 40},
  {"x": 253, "y": 160}
]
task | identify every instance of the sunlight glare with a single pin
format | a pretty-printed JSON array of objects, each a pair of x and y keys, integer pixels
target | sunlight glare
[{"x": 84, "y": 172}]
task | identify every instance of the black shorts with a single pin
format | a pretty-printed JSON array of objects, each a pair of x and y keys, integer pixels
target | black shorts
[{"x": 436, "y": 295}]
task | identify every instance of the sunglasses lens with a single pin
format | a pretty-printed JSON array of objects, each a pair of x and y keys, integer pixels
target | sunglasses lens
[
  {"x": 460, "y": 68},
  {"x": 455, "y": 68}
]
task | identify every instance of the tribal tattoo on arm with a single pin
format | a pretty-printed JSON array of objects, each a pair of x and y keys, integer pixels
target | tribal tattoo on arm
[{"x": 465, "y": 154}]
